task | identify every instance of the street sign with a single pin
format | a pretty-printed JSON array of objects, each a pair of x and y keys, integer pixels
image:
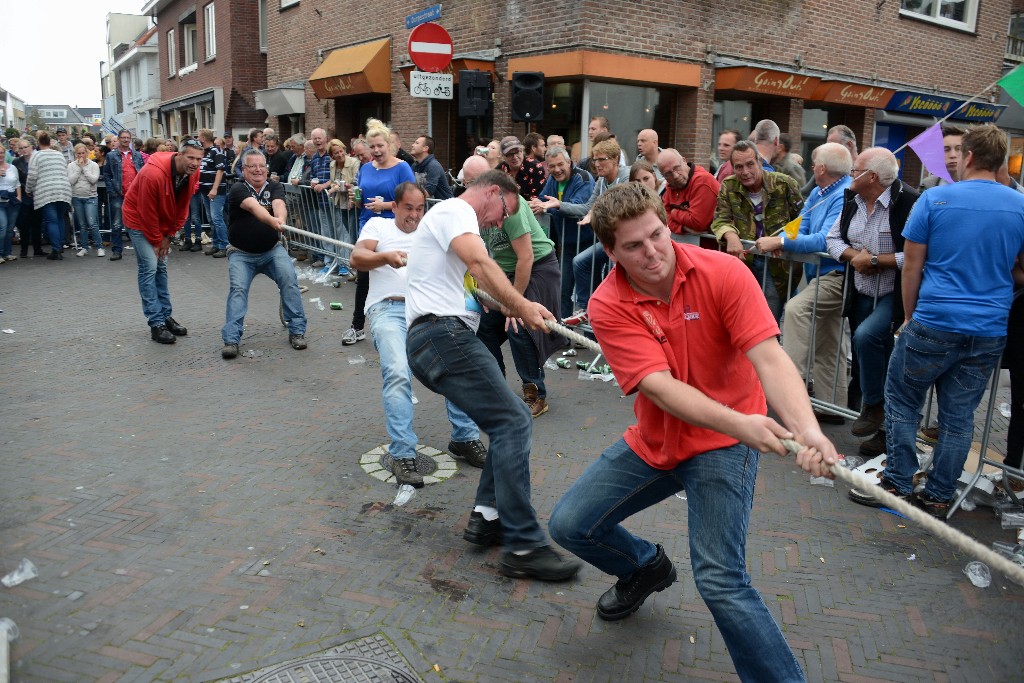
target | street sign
[
  {"x": 434, "y": 86},
  {"x": 432, "y": 13},
  {"x": 430, "y": 47}
]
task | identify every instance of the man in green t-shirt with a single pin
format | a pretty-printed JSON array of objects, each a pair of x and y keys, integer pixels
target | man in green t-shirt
[{"x": 527, "y": 256}]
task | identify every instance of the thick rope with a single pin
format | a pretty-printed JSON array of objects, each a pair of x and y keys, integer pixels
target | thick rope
[
  {"x": 861, "y": 482},
  {"x": 945, "y": 532}
]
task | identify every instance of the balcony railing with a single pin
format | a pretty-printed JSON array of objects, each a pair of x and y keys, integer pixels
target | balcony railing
[{"x": 1014, "y": 49}]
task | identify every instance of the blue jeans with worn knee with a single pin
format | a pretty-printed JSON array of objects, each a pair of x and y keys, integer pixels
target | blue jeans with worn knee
[
  {"x": 88, "y": 217},
  {"x": 243, "y": 266},
  {"x": 446, "y": 356},
  {"x": 719, "y": 486},
  {"x": 586, "y": 270},
  {"x": 960, "y": 366},
  {"x": 156, "y": 297},
  {"x": 53, "y": 223},
  {"x": 387, "y": 327},
  {"x": 871, "y": 327}
]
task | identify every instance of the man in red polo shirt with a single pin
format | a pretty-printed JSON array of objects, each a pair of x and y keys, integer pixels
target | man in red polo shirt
[{"x": 686, "y": 328}]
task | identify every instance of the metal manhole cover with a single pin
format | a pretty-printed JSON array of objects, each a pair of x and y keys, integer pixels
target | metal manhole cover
[
  {"x": 434, "y": 465},
  {"x": 336, "y": 669}
]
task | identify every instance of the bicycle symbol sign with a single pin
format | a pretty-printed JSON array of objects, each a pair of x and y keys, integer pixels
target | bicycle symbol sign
[{"x": 431, "y": 85}]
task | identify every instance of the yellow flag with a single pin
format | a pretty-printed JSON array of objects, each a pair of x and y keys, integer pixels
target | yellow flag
[{"x": 792, "y": 228}]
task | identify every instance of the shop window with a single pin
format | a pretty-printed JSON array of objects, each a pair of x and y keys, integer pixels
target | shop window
[
  {"x": 629, "y": 110},
  {"x": 210, "y": 31},
  {"x": 562, "y": 111},
  {"x": 960, "y": 14}
]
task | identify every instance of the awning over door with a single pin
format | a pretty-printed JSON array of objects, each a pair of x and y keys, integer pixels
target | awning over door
[{"x": 354, "y": 70}]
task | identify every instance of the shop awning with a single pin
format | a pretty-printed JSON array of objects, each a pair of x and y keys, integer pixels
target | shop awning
[
  {"x": 354, "y": 70},
  {"x": 458, "y": 64},
  {"x": 755, "y": 79},
  {"x": 853, "y": 94},
  {"x": 607, "y": 66},
  {"x": 284, "y": 100},
  {"x": 937, "y": 105},
  {"x": 186, "y": 102}
]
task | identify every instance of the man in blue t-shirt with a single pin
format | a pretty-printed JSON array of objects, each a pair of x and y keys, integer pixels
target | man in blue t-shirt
[{"x": 962, "y": 242}]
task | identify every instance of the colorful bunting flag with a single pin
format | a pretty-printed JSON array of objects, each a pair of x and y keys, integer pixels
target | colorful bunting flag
[
  {"x": 928, "y": 147},
  {"x": 792, "y": 228},
  {"x": 1013, "y": 85}
]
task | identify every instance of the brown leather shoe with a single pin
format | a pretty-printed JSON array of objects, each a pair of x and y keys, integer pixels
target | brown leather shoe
[
  {"x": 869, "y": 421},
  {"x": 538, "y": 405}
]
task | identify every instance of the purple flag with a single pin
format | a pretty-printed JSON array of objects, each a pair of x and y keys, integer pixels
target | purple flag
[{"x": 928, "y": 147}]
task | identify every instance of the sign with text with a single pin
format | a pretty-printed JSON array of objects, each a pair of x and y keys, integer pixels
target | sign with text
[
  {"x": 431, "y": 85},
  {"x": 432, "y": 13}
]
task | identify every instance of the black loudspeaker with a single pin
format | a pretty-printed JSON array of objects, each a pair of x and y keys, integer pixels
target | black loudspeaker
[
  {"x": 527, "y": 96},
  {"x": 474, "y": 93}
]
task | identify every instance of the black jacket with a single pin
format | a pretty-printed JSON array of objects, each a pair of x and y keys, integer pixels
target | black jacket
[{"x": 903, "y": 198}]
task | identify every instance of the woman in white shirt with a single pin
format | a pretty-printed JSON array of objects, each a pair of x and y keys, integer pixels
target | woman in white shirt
[
  {"x": 83, "y": 174},
  {"x": 10, "y": 202}
]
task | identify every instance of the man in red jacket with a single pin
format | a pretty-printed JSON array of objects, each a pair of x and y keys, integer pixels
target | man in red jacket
[
  {"x": 155, "y": 208},
  {"x": 691, "y": 194}
]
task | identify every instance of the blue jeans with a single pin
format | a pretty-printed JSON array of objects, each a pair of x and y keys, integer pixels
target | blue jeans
[
  {"x": 960, "y": 366},
  {"x": 156, "y": 297},
  {"x": 242, "y": 268},
  {"x": 448, "y": 359},
  {"x": 214, "y": 209},
  {"x": 720, "y": 491},
  {"x": 758, "y": 265},
  {"x": 387, "y": 327},
  {"x": 8, "y": 217},
  {"x": 88, "y": 217},
  {"x": 194, "y": 222},
  {"x": 114, "y": 204},
  {"x": 871, "y": 327},
  {"x": 586, "y": 270},
  {"x": 53, "y": 223},
  {"x": 524, "y": 354}
]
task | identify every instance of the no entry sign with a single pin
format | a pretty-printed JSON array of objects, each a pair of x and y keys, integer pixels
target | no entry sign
[{"x": 430, "y": 47}]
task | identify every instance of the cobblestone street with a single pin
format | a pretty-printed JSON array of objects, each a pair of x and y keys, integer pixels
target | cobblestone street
[{"x": 198, "y": 519}]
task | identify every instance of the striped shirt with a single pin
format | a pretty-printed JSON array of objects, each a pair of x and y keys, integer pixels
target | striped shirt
[{"x": 873, "y": 234}]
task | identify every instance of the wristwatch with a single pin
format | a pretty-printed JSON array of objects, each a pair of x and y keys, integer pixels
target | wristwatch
[{"x": 874, "y": 261}]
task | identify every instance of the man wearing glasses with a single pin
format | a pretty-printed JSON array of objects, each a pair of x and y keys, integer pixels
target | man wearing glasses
[
  {"x": 446, "y": 259},
  {"x": 869, "y": 236},
  {"x": 691, "y": 195},
  {"x": 257, "y": 215},
  {"x": 527, "y": 173},
  {"x": 155, "y": 208}
]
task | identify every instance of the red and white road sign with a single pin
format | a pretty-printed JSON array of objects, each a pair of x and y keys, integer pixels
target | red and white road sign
[{"x": 430, "y": 47}]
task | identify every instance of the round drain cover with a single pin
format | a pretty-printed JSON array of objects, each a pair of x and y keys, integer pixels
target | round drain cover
[{"x": 336, "y": 669}]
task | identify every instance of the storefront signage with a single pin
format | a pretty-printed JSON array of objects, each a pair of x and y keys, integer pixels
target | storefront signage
[
  {"x": 982, "y": 112},
  {"x": 853, "y": 94},
  {"x": 766, "y": 81},
  {"x": 335, "y": 87},
  {"x": 920, "y": 103}
]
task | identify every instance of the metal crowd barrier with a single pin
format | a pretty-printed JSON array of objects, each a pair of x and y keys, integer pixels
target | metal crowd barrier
[{"x": 315, "y": 212}]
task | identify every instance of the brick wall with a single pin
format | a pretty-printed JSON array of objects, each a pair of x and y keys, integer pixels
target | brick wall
[
  {"x": 861, "y": 41},
  {"x": 238, "y": 66}
]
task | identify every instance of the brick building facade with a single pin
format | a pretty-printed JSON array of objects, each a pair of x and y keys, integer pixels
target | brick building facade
[
  {"x": 688, "y": 69},
  {"x": 210, "y": 64}
]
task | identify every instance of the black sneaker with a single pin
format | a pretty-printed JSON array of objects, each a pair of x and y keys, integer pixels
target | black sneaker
[
  {"x": 175, "y": 328},
  {"x": 625, "y": 597},
  {"x": 297, "y": 341},
  {"x": 116, "y": 256},
  {"x": 161, "y": 334},
  {"x": 870, "y": 420},
  {"x": 198, "y": 246},
  {"x": 542, "y": 563},
  {"x": 185, "y": 246},
  {"x": 479, "y": 531},
  {"x": 864, "y": 497},
  {"x": 473, "y": 452},
  {"x": 938, "y": 509},
  {"x": 220, "y": 253},
  {"x": 874, "y": 446},
  {"x": 229, "y": 351},
  {"x": 405, "y": 472}
]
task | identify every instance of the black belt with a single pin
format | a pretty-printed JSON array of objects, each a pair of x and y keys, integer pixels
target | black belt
[{"x": 429, "y": 317}]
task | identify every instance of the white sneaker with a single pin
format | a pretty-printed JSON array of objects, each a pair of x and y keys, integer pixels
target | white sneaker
[
  {"x": 12, "y": 257},
  {"x": 2, "y": 259},
  {"x": 101, "y": 252},
  {"x": 351, "y": 336},
  {"x": 82, "y": 252}
]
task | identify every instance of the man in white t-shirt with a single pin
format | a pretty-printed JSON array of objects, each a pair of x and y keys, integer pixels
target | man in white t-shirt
[
  {"x": 382, "y": 250},
  {"x": 447, "y": 258}
]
